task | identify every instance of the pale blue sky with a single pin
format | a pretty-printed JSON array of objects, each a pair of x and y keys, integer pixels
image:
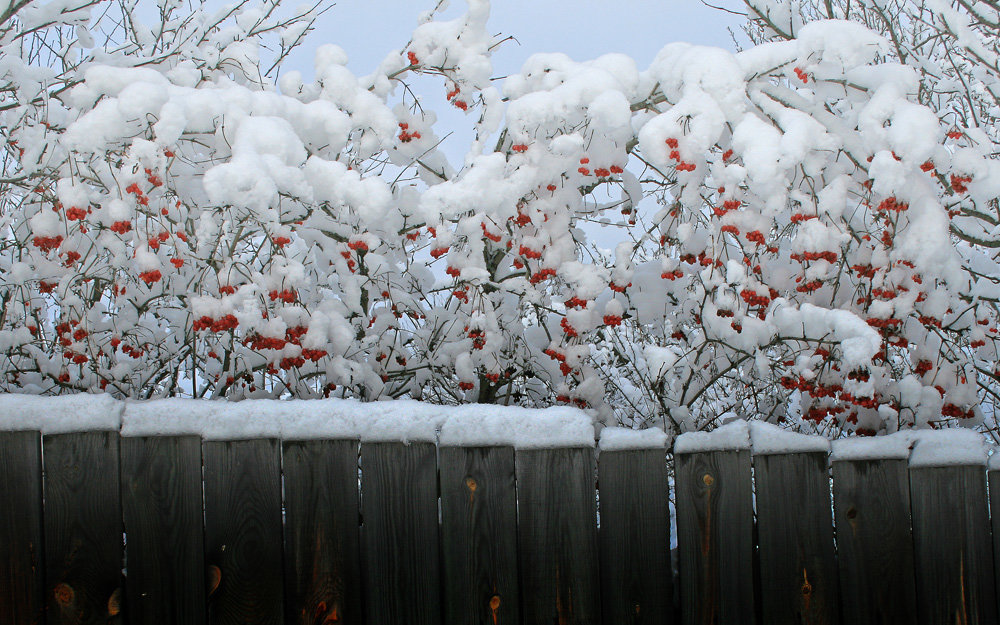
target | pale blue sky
[{"x": 583, "y": 29}]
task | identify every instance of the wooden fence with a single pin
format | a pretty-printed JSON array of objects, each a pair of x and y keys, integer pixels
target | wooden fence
[{"x": 177, "y": 530}]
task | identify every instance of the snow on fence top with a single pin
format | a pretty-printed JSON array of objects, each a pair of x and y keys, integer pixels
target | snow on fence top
[
  {"x": 951, "y": 447},
  {"x": 730, "y": 437},
  {"x": 923, "y": 448},
  {"x": 396, "y": 421},
  {"x": 769, "y": 439},
  {"x": 618, "y": 439},
  {"x": 892, "y": 447},
  {"x": 524, "y": 428},
  {"x": 55, "y": 415},
  {"x": 466, "y": 425}
]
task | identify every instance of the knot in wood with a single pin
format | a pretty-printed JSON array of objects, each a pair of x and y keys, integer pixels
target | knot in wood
[
  {"x": 64, "y": 594},
  {"x": 470, "y": 483},
  {"x": 708, "y": 479}
]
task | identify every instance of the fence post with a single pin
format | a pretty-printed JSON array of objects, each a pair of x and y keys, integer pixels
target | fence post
[
  {"x": 322, "y": 538},
  {"x": 83, "y": 528},
  {"x": 636, "y": 577},
  {"x": 162, "y": 511},
  {"x": 994, "y": 486},
  {"x": 798, "y": 562},
  {"x": 951, "y": 532},
  {"x": 479, "y": 530},
  {"x": 715, "y": 526},
  {"x": 22, "y": 598},
  {"x": 399, "y": 503},
  {"x": 871, "y": 498},
  {"x": 557, "y": 532},
  {"x": 243, "y": 531}
]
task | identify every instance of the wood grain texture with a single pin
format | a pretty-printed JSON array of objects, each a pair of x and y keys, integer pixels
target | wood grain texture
[
  {"x": 874, "y": 545},
  {"x": 993, "y": 479},
  {"x": 243, "y": 535},
  {"x": 952, "y": 546},
  {"x": 83, "y": 528},
  {"x": 557, "y": 536},
  {"x": 715, "y": 537},
  {"x": 636, "y": 578},
  {"x": 161, "y": 506},
  {"x": 798, "y": 563},
  {"x": 400, "y": 534},
  {"x": 322, "y": 550},
  {"x": 479, "y": 535},
  {"x": 22, "y": 581}
]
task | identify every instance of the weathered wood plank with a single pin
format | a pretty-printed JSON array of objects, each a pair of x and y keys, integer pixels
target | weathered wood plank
[
  {"x": 557, "y": 531},
  {"x": 322, "y": 550},
  {"x": 952, "y": 546},
  {"x": 874, "y": 545},
  {"x": 243, "y": 531},
  {"x": 161, "y": 505},
  {"x": 83, "y": 528},
  {"x": 636, "y": 578},
  {"x": 479, "y": 530},
  {"x": 993, "y": 479},
  {"x": 798, "y": 564},
  {"x": 715, "y": 537},
  {"x": 400, "y": 533},
  {"x": 22, "y": 595}
]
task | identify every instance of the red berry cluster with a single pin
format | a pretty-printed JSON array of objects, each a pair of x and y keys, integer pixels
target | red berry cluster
[
  {"x": 47, "y": 244},
  {"x": 223, "y": 324},
  {"x": 121, "y": 227},
  {"x": 568, "y": 329},
  {"x": 828, "y": 256},
  {"x": 405, "y": 136},
  {"x": 149, "y": 277},
  {"x": 959, "y": 183},
  {"x": 489, "y": 235},
  {"x": 286, "y": 295},
  {"x": 672, "y": 275},
  {"x": 891, "y": 204},
  {"x": 542, "y": 274},
  {"x": 527, "y": 252},
  {"x": 804, "y": 77}
]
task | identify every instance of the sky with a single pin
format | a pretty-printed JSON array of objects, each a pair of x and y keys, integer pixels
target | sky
[{"x": 584, "y": 29}]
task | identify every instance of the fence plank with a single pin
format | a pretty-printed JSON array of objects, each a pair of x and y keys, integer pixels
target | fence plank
[
  {"x": 22, "y": 597},
  {"x": 952, "y": 547},
  {"x": 715, "y": 537},
  {"x": 874, "y": 545},
  {"x": 161, "y": 506},
  {"x": 400, "y": 533},
  {"x": 557, "y": 531},
  {"x": 636, "y": 580},
  {"x": 993, "y": 478},
  {"x": 243, "y": 531},
  {"x": 798, "y": 566},
  {"x": 83, "y": 528},
  {"x": 322, "y": 557},
  {"x": 479, "y": 529}
]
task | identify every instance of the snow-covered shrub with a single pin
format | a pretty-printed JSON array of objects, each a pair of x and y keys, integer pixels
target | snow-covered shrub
[{"x": 766, "y": 233}]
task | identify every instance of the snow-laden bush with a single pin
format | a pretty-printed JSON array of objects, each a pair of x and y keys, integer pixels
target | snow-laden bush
[{"x": 792, "y": 231}]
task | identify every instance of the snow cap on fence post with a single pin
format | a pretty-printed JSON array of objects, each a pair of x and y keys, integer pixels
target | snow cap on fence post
[
  {"x": 734, "y": 436},
  {"x": 56, "y": 415},
  {"x": 768, "y": 439},
  {"x": 949, "y": 447},
  {"x": 620, "y": 439},
  {"x": 858, "y": 448},
  {"x": 479, "y": 425}
]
